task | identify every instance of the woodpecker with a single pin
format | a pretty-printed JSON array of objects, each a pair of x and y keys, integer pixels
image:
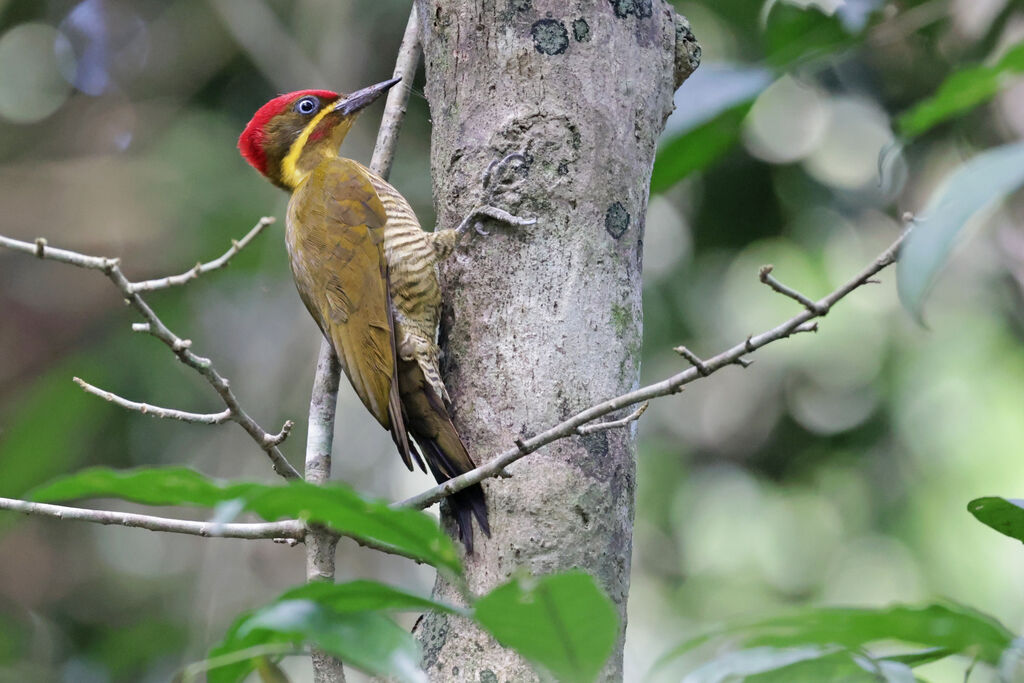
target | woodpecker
[{"x": 367, "y": 273}]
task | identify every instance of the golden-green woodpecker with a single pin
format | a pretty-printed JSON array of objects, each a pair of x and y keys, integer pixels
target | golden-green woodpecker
[{"x": 367, "y": 273}]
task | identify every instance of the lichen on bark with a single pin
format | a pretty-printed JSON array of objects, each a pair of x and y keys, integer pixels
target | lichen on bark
[{"x": 544, "y": 321}]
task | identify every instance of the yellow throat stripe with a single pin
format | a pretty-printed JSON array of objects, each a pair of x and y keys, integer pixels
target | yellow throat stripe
[{"x": 290, "y": 173}]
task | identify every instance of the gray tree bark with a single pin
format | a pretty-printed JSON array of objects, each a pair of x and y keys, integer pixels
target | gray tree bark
[{"x": 544, "y": 321}]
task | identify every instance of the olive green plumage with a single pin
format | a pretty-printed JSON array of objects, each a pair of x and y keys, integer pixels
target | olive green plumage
[{"x": 367, "y": 273}]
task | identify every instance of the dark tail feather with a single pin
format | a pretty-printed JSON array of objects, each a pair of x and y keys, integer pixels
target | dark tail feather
[{"x": 467, "y": 503}]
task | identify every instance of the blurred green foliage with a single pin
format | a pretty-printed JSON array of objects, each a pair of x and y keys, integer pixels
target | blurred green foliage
[
  {"x": 832, "y": 644},
  {"x": 408, "y": 532},
  {"x": 834, "y": 471}
]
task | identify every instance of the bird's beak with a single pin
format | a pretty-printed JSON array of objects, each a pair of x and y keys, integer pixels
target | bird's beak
[{"x": 364, "y": 97}]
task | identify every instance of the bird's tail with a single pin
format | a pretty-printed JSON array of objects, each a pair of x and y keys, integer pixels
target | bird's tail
[
  {"x": 467, "y": 503},
  {"x": 427, "y": 420}
]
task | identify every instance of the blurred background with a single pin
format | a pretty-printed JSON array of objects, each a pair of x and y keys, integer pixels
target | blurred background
[{"x": 835, "y": 470}]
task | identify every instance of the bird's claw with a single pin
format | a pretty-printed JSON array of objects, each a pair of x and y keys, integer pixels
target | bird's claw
[
  {"x": 496, "y": 180},
  {"x": 490, "y": 212}
]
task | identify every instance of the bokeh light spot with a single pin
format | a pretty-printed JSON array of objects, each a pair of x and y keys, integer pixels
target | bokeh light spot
[
  {"x": 109, "y": 43},
  {"x": 31, "y": 87},
  {"x": 847, "y": 157},
  {"x": 786, "y": 122}
]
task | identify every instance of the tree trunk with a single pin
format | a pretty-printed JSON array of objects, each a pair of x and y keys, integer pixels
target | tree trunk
[{"x": 544, "y": 321}]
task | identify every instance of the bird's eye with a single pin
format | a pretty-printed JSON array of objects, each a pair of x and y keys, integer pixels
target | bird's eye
[{"x": 307, "y": 105}]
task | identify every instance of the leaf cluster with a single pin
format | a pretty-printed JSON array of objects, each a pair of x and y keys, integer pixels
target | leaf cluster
[{"x": 563, "y": 623}]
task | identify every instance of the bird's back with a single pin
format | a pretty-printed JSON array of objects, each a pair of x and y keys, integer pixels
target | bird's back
[{"x": 414, "y": 283}]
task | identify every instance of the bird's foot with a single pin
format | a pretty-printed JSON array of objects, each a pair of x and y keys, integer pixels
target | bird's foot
[
  {"x": 500, "y": 176},
  {"x": 486, "y": 211}
]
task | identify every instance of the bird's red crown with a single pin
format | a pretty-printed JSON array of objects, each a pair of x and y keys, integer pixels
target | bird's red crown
[{"x": 250, "y": 143}]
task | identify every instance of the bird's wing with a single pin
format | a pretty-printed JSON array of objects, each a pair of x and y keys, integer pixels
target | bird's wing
[{"x": 336, "y": 232}]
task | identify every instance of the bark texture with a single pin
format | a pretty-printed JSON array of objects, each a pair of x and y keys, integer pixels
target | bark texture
[{"x": 544, "y": 321}]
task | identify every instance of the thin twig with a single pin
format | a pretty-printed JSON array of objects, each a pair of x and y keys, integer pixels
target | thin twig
[
  {"x": 202, "y": 268},
  {"x": 180, "y": 347},
  {"x": 694, "y": 359},
  {"x": 156, "y": 411},
  {"x": 614, "y": 424},
  {"x": 665, "y": 387},
  {"x": 293, "y": 529},
  {"x": 766, "y": 277}
]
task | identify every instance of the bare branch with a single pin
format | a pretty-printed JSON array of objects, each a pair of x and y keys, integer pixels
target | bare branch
[
  {"x": 671, "y": 385},
  {"x": 202, "y": 268},
  {"x": 156, "y": 411},
  {"x": 180, "y": 347},
  {"x": 614, "y": 424},
  {"x": 292, "y": 528}
]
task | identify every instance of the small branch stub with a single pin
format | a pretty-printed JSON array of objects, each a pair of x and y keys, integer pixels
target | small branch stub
[
  {"x": 815, "y": 307},
  {"x": 694, "y": 359},
  {"x": 275, "y": 439},
  {"x": 614, "y": 424}
]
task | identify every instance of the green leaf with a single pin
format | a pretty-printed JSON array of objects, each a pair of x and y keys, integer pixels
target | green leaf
[
  {"x": 409, "y": 532},
  {"x": 150, "y": 486},
  {"x": 368, "y": 641},
  {"x": 987, "y": 177},
  {"x": 793, "y": 34},
  {"x": 953, "y": 628},
  {"x": 339, "y": 606},
  {"x": 698, "y": 148},
  {"x": 1005, "y": 515},
  {"x": 563, "y": 623},
  {"x": 961, "y": 92}
]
